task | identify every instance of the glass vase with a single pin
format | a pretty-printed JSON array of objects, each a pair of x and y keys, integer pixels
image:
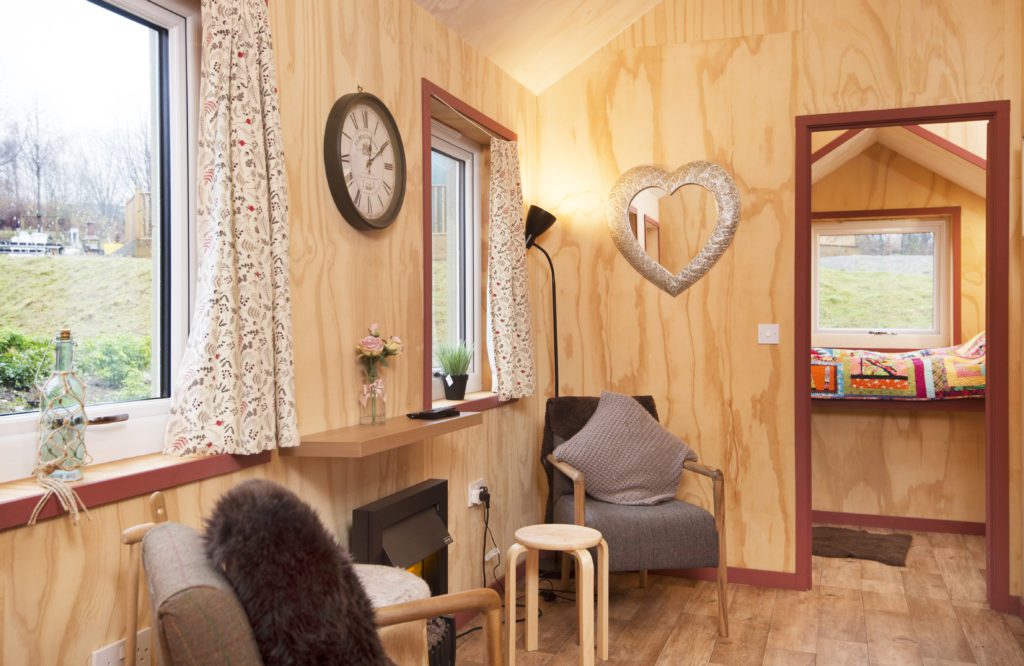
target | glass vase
[{"x": 372, "y": 401}]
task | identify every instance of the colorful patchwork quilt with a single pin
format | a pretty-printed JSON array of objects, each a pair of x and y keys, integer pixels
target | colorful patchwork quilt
[{"x": 926, "y": 374}]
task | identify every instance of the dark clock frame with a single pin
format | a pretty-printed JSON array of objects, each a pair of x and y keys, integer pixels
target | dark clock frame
[{"x": 335, "y": 174}]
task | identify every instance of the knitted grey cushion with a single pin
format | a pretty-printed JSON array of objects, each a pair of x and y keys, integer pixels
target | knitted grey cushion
[{"x": 625, "y": 455}]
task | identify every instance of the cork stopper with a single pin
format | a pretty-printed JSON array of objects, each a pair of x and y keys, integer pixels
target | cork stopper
[{"x": 65, "y": 334}]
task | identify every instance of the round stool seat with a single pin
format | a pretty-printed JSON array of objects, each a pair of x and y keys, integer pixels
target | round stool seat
[{"x": 555, "y": 536}]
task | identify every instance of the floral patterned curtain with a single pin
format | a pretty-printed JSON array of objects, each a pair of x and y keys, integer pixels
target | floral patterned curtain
[
  {"x": 235, "y": 390},
  {"x": 510, "y": 334}
]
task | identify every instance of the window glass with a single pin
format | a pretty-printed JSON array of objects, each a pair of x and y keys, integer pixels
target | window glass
[
  {"x": 448, "y": 222},
  {"x": 456, "y": 288},
  {"x": 81, "y": 209},
  {"x": 877, "y": 281}
]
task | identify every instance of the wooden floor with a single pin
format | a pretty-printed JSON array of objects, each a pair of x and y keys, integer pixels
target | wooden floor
[{"x": 932, "y": 611}]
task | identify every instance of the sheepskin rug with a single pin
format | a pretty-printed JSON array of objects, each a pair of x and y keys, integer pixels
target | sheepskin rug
[{"x": 295, "y": 581}]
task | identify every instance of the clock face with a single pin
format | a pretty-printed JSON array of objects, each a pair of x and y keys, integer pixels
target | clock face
[{"x": 365, "y": 161}]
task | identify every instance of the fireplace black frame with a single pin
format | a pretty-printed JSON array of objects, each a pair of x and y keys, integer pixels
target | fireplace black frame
[{"x": 371, "y": 520}]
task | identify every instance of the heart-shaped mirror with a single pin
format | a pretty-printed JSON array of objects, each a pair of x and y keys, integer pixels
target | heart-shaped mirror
[{"x": 644, "y": 208}]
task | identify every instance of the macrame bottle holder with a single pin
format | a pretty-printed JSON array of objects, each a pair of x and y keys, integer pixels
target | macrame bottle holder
[{"x": 62, "y": 444}]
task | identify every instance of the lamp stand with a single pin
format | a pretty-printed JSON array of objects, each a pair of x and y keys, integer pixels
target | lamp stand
[{"x": 554, "y": 312}]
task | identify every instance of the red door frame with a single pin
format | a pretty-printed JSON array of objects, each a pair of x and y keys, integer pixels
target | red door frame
[{"x": 997, "y": 264}]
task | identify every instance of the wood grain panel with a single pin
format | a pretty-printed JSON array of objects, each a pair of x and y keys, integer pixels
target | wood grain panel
[
  {"x": 659, "y": 95},
  {"x": 57, "y": 581},
  {"x": 697, "y": 354},
  {"x": 899, "y": 463},
  {"x": 537, "y": 41},
  {"x": 679, "y": 21}
]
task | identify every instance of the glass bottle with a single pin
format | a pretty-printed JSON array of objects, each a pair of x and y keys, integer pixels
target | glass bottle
[{"x": 62, "y": 417}]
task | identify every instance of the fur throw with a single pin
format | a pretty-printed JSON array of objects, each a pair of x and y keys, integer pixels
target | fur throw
[{"x": 297, "y": 586}]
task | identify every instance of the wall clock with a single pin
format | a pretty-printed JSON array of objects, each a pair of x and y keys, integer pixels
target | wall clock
[{"x": 365, "y": 161}]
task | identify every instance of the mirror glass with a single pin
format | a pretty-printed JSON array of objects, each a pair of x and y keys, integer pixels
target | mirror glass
[{"x": 672, "y": 227}]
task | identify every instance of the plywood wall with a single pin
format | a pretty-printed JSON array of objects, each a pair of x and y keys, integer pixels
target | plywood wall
[
  {"x": 893, "y": 462},
  {"x": 904, "y": 462},
  {"x": 60, "y": 586},
  {"x": 707, "y": 79}
]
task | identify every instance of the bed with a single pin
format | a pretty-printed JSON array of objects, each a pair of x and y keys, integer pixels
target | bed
[{"x": 946, "y": 373}]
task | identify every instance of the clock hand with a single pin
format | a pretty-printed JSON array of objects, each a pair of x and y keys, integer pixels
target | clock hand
[{"x": 369, "y": 162}]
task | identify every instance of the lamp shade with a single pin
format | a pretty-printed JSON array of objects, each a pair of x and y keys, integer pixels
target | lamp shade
[{"x": 538, "y": 221}]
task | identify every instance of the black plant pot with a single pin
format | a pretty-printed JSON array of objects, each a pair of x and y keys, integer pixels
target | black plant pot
[{"x": 457, "y": 389}]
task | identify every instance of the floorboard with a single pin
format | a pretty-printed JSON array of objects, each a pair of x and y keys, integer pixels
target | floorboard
[{"x": 932, "y": 611}]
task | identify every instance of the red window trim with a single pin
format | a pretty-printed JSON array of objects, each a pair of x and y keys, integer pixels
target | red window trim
[
  {"x": 16, "y": 512},
  {"x": 429, "y": 90}
]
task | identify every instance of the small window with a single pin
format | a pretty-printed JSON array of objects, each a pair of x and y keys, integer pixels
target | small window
[
  {"x": 457, "y": 294},
  {"x": 95, "y": 213},
  {"x": 882, "y": 284}
]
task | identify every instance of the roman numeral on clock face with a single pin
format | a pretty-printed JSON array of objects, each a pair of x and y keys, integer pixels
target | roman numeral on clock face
[
  {"x": 389, "y": 166},
  {"x": 387, "y": 188},
  {"x": 366, "y": 118},
  {"x": 359, "y": 196},
  {"x": 349, "y": 178}
]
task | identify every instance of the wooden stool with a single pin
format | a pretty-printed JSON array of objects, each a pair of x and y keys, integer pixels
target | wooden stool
[{"x": 574, "y": 540}]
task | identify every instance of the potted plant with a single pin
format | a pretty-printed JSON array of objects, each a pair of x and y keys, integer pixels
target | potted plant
[{"x": 455, "y": 360}]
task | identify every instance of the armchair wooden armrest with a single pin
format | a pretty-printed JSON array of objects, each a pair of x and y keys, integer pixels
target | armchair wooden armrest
[
  {"x": 718, "y": 484},
  {"x": 481, "y": 599},
  {"x": 579, "y": 490}
]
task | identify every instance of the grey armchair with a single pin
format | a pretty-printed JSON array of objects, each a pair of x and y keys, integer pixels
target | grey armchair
[{"x": 670, "y": 535}]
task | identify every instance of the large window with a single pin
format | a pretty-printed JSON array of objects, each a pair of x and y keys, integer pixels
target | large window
[
  {"x": 94, "y": 211},
  {"x": 456, "y": 245},
  {"x": 882, "y": 283}
]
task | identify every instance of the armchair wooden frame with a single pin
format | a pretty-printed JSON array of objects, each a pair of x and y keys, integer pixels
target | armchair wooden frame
[
  {"x": 579, "y": 494},
  {"x": 482, "y": 600}
]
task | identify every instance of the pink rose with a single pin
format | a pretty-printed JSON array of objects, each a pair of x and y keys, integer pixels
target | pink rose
[
  {"x": 371, "y": 345},
  {"x": 375, "y": 329}
]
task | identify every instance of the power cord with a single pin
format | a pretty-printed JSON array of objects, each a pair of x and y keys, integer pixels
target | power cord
[{"x": 485, "y": 497}]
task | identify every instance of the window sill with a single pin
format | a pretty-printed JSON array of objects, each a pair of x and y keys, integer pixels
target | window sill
[
  {"x": 121, "y": 480},
  {"x": 478, "y": 401}
]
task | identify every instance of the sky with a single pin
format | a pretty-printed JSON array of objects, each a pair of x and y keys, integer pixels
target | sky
[{"x": 87, "y": 68}]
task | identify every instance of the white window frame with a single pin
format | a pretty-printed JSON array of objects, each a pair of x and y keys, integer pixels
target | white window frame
[
  {"x": 455, "y": 145},
  {"x": 143, "y": 433},
  {"x": 940, "y": 335}
]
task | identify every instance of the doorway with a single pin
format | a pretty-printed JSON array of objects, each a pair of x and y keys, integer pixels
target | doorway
[{"x": 997, "y": 183}]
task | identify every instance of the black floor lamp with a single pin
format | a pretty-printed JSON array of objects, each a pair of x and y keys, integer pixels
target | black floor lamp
[{"x": 538, "y": 221}]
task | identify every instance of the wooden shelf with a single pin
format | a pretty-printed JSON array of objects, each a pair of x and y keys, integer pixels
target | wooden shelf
[
  {"x": 956, "y": 405},
  {"x": 360, "y": 441}
]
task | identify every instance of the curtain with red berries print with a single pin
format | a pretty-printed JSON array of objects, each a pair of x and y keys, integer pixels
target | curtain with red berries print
[
  {"x": 235, "y": 387},
  {"x": 508, "y": 289}
]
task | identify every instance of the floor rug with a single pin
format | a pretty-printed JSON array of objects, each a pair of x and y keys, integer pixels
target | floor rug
[{"x": 888, "y": 549}]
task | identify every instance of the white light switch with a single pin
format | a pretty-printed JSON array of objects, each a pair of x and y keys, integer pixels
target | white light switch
[{"x": 767, "y": 334}]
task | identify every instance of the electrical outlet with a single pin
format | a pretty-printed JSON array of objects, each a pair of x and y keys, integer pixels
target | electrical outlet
[
  {"x": 113, "y": 654},
  {"x": 491, "y": 554},
  {"x": 767, "y": 334},
  {"x": 474, "y": 492}
]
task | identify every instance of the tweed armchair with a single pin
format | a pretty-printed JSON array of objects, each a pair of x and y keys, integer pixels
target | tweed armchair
[
  {"x": 199, "y": 620},
  {"x": 670, "y": 535}
]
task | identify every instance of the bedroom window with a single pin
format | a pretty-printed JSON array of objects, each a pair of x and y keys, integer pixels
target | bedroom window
[
  {"x": 882, "y": 283},
  {"x": 457, "y": 287},
  {"x": 95, "y": 214}
]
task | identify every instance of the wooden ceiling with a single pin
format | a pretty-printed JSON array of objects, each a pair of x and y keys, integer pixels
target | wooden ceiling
[
  {"x": 537, "y": 41},
  {"x": 949, "y": 159}
]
